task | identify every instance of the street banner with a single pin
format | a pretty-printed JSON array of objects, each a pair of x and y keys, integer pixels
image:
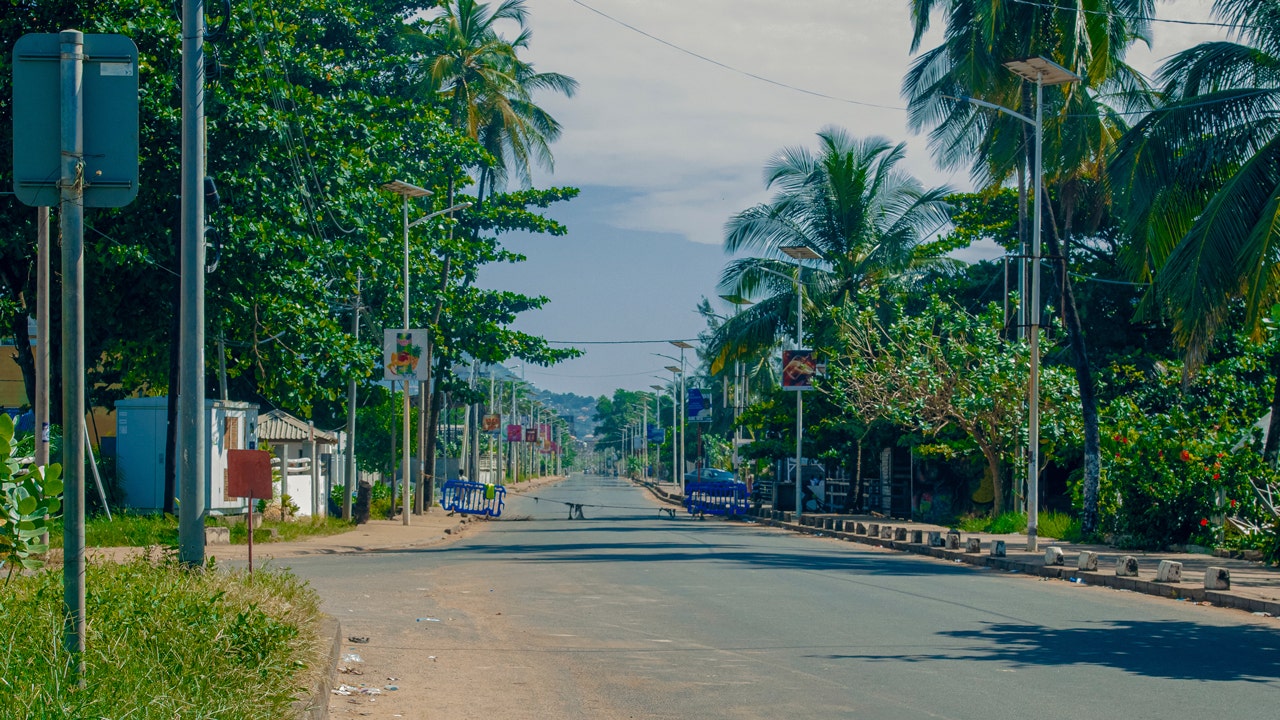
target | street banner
[
  {"x": 544, "y": 432},
  {"x": 491, "y": 423},
  {"x": 798, "y": 369},
  {"x": 402, "y": 354},
  {"x": 515, "y": 434},
  {"x": 531, "y": 435},
  {"x": 698, "y": 405}
]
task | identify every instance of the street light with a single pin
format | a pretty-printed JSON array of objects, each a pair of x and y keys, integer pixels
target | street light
[
  {"x": 406, "y": 191},
  {"x": 684, "y": 415},
  {"x": 1043, "y": 72},
  {"x": 738, "y": 396}
]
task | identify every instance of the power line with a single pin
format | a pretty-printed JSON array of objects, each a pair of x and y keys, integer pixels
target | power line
[
  {"x": 620, "y": 342},
  {"x": 731, "y": 68},
  {"x": 1171, "y": 21}
]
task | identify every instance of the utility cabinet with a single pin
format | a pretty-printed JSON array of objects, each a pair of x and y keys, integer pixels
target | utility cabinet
[{"x": 141, "y": 425}]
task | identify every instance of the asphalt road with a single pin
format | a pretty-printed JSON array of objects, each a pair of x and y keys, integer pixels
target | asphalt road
[{"x": 629, "y": 614}]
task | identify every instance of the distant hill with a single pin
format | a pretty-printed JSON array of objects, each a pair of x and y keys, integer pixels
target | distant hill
[{"x": 580, "y": 409}]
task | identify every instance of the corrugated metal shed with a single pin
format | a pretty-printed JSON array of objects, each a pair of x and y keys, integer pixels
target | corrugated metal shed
[{"x": 279, "y": 426}]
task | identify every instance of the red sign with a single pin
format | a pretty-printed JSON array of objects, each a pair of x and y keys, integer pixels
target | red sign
[
  {"x": 515, "y": 434},
  {"x": 531, "y": 435},
  {"x": 248, "y": 473}
]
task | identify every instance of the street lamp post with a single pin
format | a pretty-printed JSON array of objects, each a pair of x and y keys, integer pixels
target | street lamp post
[
  {"x": 407, "y": 191},
  {"x": 799, "y": 252},
  {"x": 738, "y": 301},
  {"x": 1043, "y": 72},
  {"x": 684, "y": 416}
]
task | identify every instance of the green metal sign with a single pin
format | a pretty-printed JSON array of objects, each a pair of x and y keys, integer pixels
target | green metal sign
[{"x": 110, "y": 120}]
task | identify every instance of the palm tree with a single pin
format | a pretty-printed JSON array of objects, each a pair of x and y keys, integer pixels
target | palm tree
[
  {"x": 849, "y": 203},
  {"x": 1080, "y": 128},
  {"x": 488, "y": 89},
  {"x": 1201, "y": 183}
]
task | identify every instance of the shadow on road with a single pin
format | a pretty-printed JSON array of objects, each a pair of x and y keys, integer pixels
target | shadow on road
[{"x": 1174, "y": 650}]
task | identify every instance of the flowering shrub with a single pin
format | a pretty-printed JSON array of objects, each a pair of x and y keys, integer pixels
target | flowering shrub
[{"x": 1168, "y": 478}]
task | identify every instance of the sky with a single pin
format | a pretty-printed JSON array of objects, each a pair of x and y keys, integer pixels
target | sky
[{"x": 666, "y": 146}]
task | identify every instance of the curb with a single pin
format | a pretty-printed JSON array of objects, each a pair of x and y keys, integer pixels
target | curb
[
  {"x": 1220, "y": 598},
  {"x": 315, "y": 705},
  {"x": 662, "y": 495}
]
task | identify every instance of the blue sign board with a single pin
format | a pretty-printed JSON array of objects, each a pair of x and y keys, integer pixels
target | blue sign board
[{"x": 698, "y": 406}]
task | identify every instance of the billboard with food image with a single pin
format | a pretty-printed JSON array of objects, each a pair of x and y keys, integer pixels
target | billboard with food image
[{"x": 798, "y": 369}]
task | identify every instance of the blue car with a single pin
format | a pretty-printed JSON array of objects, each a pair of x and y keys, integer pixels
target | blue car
[{"x": 709, "y": 475}]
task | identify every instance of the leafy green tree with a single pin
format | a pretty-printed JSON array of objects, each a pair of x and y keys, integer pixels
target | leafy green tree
[{"x": 942, "y": 368}]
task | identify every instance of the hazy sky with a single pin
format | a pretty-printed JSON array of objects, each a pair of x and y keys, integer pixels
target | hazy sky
[{"x": 666, "y": 147}]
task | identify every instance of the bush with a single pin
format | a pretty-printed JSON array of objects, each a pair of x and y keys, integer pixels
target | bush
[
  {"x": 1164, "y": 476},
  {"x": 163, "y": 642}
]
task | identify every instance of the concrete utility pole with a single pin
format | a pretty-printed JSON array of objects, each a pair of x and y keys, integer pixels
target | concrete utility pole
[
  {"x": 351, "y": 411},
  {"x": 192, "y": 448}
]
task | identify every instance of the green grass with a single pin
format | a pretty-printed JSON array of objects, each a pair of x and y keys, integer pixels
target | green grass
[
  {"x": 130, "y": 530},
  {"x": 1059, "y": 526},
  {"x": 163, "y": 642}
]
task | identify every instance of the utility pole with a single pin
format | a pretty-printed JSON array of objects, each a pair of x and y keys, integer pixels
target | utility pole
[
  {"x": 351, "y": 409},
  {"x": 191, "y": 417}
]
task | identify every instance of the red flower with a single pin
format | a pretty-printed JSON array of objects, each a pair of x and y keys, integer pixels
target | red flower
[
  {"x": 1185, "y": 456},
  {"x": 1233, "y": 503},
  {"x": 1215, "y": 476},
  {"x": 1204, "y": 521}
]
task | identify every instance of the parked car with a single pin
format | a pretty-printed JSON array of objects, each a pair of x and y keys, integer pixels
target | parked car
[{"x": 709, "y": 474}]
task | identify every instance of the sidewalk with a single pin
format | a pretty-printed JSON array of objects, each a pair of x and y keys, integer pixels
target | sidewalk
[
  {"x": 432, "y": 528},
  {"x": 1253, "y": 586}
]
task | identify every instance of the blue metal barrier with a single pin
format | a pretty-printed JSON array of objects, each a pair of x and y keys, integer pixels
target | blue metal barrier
[
  {"x": 716, "y": 497},
  {"x": 472, "y": 498}
]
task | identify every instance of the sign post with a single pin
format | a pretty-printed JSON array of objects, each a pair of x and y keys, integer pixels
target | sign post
[
  {"x": 249, "y": 476},
  {"x": 59, "y": 80}
]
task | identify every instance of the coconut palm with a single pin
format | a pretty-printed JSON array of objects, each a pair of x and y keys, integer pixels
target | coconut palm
[
  {"x": 1201, "y": 183},
  {"x": 851, "y": 204},
  {"x": 1080, "y": 128},
  {"x": 488, "y": 89}
]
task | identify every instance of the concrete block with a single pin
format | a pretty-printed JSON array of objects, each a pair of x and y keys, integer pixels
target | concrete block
[
  {"x": 917, "y": 537},
  {"x": 935, "y": 539},
  {"x": 1216, "y": 578},
  {"x": 953, "y": 541},
  {"x": 997, "y": 549},
  {"x": 973, "y": 545},
  {"x": 1127, "y": 566},
  {"x": 873, "y": 529},
  {"x": 1087, "y": 560},
  {"x": 900, "y": 534},
  {"x": 886, "y": 532},
  {"x": 860, "y": 529},
  {"x": 217, "y": 536},
  {"x": 1169, "y": 571},
  {"x": 1053, "y": 555}
]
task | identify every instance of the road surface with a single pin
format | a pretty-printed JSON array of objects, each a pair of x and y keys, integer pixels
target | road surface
[{"x": 630, "y": 614}]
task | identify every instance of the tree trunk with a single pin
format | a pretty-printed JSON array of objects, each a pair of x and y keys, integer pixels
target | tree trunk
[
  {"x": 994, "y": 466},
  {"x": 1084, "y": 379},
  {"x": 25, "y": 357}
]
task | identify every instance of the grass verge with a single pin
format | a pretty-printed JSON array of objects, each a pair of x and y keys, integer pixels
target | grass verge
[
  {"x": 130, "y": 530},
  {"x": 162, "y": 642}
]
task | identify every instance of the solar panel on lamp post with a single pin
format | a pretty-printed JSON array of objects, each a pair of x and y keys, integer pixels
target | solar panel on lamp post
[
  {"x": 406, "y": 191},
  {"x": 1044, "y": 73}
]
